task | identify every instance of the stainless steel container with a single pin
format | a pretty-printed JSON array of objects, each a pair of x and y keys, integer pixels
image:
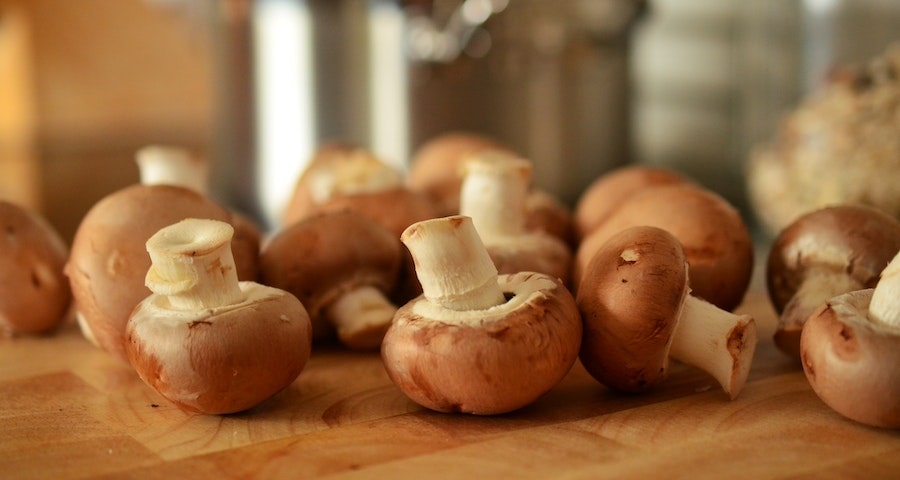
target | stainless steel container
[{"x": 550, "y": 78}]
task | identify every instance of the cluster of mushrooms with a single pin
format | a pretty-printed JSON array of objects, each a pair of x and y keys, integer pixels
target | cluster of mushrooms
[{"x": 479, "y": 290}]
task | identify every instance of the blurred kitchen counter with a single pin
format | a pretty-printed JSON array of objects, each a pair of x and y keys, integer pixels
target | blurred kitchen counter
[{"x": 71, "y": 411}]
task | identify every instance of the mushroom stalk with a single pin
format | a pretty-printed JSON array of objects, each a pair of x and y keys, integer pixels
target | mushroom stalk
[
  {"x": 452, "y": 264},
  {"x": 885, "y": 305},
  {"x": 193, "y": 266},
  {"x": 494, "y": 194},
  {"x": 716, "y": 341},
  {"x": 360, "y": 316},
  {"x": 161, "y": 165}
]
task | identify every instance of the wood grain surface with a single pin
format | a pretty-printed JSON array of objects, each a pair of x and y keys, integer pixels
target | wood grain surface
[{"x": 69, "y": 410}]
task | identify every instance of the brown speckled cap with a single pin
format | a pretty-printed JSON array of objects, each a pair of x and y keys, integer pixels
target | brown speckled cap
[{"x": 630, "y": 300}]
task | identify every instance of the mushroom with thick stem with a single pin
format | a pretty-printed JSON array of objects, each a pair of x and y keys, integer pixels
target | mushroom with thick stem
[
  {"x": 638, "y": 312},
  {"x": 850, "y": 351},
  {"x": 712, "y": 233},
  {"x": 204, "y": 340},
  {"x": 475, "y": 341},
  {"x": 341, "y": 265},
  {"x": 437, "y": 168},
  {"x": 823, "y": 254},
  {"x": 611, "y": 189},
  {"x": 493, "y": 195},
  {"x": 34, "y": 294},
  {"x": 108, "y": 259}
]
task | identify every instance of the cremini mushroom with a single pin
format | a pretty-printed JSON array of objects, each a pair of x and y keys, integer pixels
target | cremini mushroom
[
  {"x": 342, "y": 266},
  {"x": 637, "y": 312},
  {"x": 850, "y": 350},
  {"x": 715, "y": 239},
  {"x": 108, "y": 259},
  {"x": 493, "y": 195},
  {"x": 204, "y": 340},
  {"x": 34, "y": 294},
  {"x": 611, "y": 189},
  {"x": 475, "y": 341},
  {"x": 437, "y": 168},
  {"x": 823, "y": 254},
  {"x": 337, "y": 169}
]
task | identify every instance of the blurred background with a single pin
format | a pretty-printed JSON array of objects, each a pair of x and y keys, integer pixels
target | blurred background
[{"x": 578, "y": 86}]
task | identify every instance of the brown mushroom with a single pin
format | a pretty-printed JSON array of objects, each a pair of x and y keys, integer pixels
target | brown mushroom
[
  {"x": 637, "y": 312},
  {"x": 34, "y": 294},
  {"x": 338, "y": 169},
  {"x": 341, "y": 265},
  {"x": 493, "y": 195},
  {"x": 108, "y": 260},
  {"x": 437, "y": 169},
  {"x": 850, "y": 350},
  {"x": 711, "y": 231},
  {"x": 475, "y": 341},
  {"x": 204, "y": 340},
  {"x": 823, "y": 254},
  {"x": 610, "y": 190}
]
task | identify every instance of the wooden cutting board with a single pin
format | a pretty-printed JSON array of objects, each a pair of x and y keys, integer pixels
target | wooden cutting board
[{"x": 69, "y": 410}]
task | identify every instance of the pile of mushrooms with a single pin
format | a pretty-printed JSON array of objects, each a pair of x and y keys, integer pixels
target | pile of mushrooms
[
  {"x": 204, "y": 340},
  {"x": 850, "y": 350},
  {"x": 475, "y": 341},
  {"x": 34, "y": 294}
]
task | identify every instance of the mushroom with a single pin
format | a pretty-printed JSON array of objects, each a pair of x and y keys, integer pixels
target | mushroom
[
  {"x": 711, "y": 231},
  {"x": 493, "y": 195},
  {"x": 205, "y": 341},
  {"x": 475, "y": 341},
  {"x": 108, "y": 260},
  {"x": 637, "y": 312},
  {"x": 34, "y": 294},
  {"x": 337, "y": 169},
  {"x": 850, "y": 350},
  {"x": 437, "y": 169},
  {"x": 341, "y": 265},
  {"x": 823, "y": 254},
  {"x": 610, "y": 190}
]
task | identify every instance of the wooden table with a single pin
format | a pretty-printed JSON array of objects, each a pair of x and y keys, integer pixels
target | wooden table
[{"x": 69, "y": 410}]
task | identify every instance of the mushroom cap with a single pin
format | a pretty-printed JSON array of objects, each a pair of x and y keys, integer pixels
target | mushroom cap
[
  {"x": 610, "y": 190},
  {"x": 630, "y": 300},
  {"x": 853, "y": 363},
  {"x": 488, "y": 361},
  {"x": 546, "y": 213},
  {"x": 109, "y": 260},
  {"x": 436, "y": 166},
  {"x": 855, "y": 239},
  {"x": 35, "y": 294},
  {"x": 224, "y": 360},
  {"x": 531, "y": 252},
  {"x": 712, "y": 233},
  {"x": 394, "y": 208},
  {"x": 324, "y": 256}
]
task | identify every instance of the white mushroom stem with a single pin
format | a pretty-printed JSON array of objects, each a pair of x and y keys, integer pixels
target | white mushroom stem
[
  {"x": 192, "y": 265},
  {"x": 361, "y": 311},
  {"x": 161, "y": 165},
  {"x": 494, "y": 193},
  {"x": 452, "y": 264},
  {"x": 715, "y": 341},
  {"x": 885, "y": 305},
  {"x": 358, "y": 173}
]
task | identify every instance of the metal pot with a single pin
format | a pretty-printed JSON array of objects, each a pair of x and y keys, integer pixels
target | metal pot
[{"x": 550, "y": 78}]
